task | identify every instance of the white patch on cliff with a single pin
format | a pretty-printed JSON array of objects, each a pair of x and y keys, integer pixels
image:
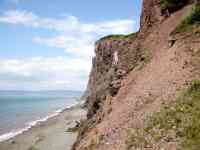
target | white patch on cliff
[{"x": 116, "y": 59}]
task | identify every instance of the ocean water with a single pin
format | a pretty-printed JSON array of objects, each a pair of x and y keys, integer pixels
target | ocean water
[{"x": 20, "y": 110}]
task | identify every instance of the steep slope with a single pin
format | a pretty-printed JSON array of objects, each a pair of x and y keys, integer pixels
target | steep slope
[{"x": 132, "y": 76}]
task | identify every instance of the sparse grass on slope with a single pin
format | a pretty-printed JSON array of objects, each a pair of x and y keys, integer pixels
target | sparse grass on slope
[
  {"x": 176, "y": 122},
  {"x": 193, "y": 18}
]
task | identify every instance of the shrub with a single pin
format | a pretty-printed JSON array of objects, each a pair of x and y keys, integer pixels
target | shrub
[
  {"x": 145, "y": 58},
  {"x": 32, "y": 148},
  {"x": 73, "y": 129},
  {"x": 172, "y": 5},
  {"x": 193, "y": 18},
  {"x": 195, "y": 15}
]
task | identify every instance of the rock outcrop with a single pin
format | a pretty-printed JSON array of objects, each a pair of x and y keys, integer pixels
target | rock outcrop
[
  {"x": 133, "y": 75},
  {"x": 114, "y": 59}
]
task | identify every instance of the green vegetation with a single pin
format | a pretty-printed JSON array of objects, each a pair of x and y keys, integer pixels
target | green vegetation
[
  {"x": 172, "y": 5},
  {"x": 193, "y": 18},
  {"x": 145, "y": 58},
  {"x": 119, "y": 37},
  {"x": 32, "y": 148},
  {"x": 73, "y": 129},
  {"x": 177, "y": 122},
  {"x": 76, "y": 127},
  {"x": 136, "y": 139}
]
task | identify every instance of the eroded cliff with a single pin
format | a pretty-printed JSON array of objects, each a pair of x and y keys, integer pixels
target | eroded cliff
[{"x": 133, "y": 75}]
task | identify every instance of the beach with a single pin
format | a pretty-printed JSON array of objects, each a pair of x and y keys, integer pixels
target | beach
[{"x": 48, "y": 135}]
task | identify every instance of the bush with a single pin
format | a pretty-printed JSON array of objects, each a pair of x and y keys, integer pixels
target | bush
[
  {"x": 193, "y": 18},
  {"x": 73, "y": 129},
  {"x": 32, "y": 148},
  {"x": 172, "y": 5}
]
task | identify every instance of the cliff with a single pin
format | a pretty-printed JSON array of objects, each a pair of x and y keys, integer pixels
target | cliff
[{"x": 134, "y": 75}]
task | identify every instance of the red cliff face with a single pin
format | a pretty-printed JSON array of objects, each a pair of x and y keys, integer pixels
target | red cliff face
[
  {"x": 114, "y": 59},
  {"x": 151, "y": 15},
  {"x": 131, "y": 76},
  {"x": 105, "y": 75}
]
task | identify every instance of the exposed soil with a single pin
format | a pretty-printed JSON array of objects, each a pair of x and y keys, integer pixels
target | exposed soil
[{"x": 147, "y": 86}]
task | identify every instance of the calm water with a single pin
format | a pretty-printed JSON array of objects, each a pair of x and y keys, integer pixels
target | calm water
[{"x": 19, "y": 109}]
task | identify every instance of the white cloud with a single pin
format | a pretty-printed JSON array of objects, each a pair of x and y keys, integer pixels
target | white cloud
[
  {"x": 80, "y": 40},
  {"x": 32, "y": 20},
  {"x": 17, "y": 17},
  {"x": 76, "y": 38},
  {"x": 78, "y": 47},
  {"x": 67, "y": 23},
  {"x": 44, "y": 73}
]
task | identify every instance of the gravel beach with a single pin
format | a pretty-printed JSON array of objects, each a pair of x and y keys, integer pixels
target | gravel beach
[{"x": 49, "y": 135}]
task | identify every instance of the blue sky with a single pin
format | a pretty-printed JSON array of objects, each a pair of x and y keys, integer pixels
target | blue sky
[{"x": 48, "y": 45}]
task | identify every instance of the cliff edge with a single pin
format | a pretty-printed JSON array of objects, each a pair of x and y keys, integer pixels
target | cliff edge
[{"x": 134, "y": 75}]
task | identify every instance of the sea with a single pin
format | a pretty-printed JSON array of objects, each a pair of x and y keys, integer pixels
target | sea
[{"x": 21, "y": 110}]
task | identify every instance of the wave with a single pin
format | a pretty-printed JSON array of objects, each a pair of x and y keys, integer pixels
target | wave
[{"x": 29, "y": 125}]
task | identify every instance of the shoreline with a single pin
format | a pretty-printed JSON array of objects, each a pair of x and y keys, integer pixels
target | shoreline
[
  {"x": 40, "y": 133},
  {"x": 15, "y": 132}
]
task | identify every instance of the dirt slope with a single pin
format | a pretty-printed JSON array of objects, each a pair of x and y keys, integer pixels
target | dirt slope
[{"x": 158, "y": 70}]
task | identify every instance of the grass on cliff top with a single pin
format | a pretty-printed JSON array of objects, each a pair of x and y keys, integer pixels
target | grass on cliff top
[
  {"x": 179, "y": 121},
  {"x": 118, "y": 37},
  {"x": 193, "y": 18},
  {"x": 172, "y": 5}
]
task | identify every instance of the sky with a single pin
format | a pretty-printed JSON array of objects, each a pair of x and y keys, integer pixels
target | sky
[{"x": 48, "y": 45}]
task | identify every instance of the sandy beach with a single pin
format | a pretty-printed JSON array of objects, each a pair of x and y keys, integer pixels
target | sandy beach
[{"x": 49, "y": 135}]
